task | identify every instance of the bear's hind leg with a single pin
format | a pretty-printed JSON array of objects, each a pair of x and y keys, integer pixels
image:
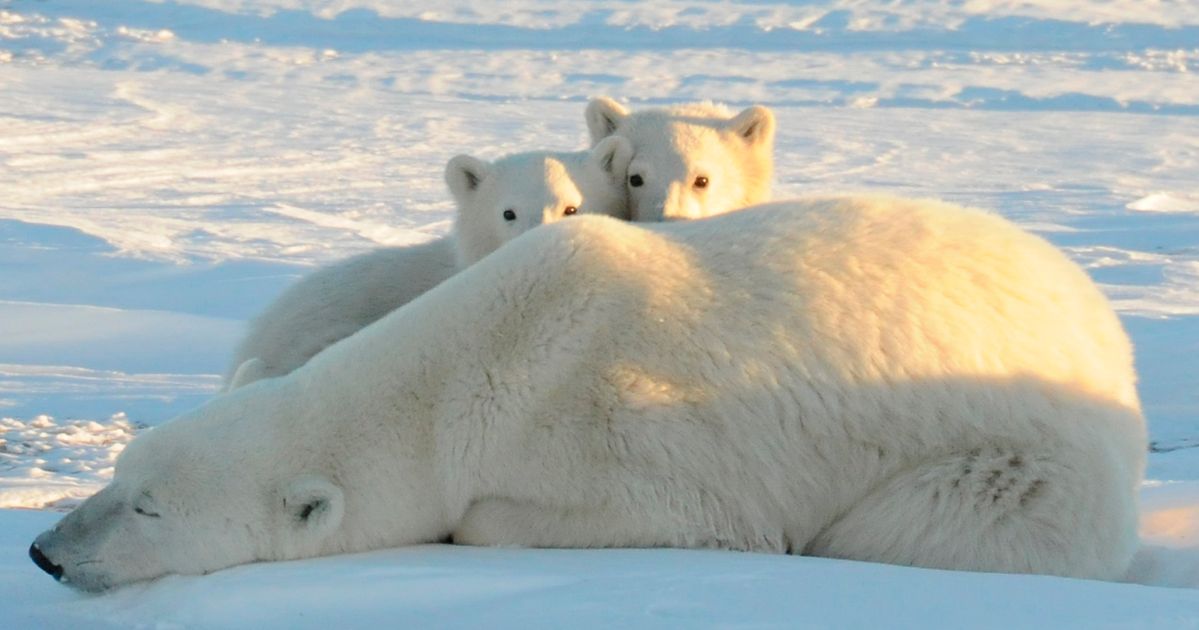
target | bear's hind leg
[{"x": 997, "y": 510}]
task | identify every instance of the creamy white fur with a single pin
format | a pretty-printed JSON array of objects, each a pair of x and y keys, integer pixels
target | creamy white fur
[
  {"x": 674, "y": 147},
  {"x": 338, "y": 300},
  {"x": 870, "y": 378}
]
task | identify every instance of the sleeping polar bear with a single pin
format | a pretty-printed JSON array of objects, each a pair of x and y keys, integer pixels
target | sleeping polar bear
[{"x": 868, "y": 378}]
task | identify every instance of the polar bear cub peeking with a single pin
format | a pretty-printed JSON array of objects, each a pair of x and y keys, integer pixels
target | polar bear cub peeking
[
  {"x": 496, "y": 201},
  {"x": 868, "y": 378},
  {"x": 690, "y": 161}
]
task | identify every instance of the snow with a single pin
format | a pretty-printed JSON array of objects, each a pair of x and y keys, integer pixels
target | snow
[
  {"x": 441, "y": 586},
  {"x": 1165, "y": 202},
  {"x": 168, "y": 167},
  {"x": 48, "y": 464}
]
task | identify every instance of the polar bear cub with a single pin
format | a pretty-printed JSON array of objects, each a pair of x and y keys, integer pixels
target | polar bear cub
[
  {"x": 496, "y": 201},
  {"x": 690, "y": 161}
]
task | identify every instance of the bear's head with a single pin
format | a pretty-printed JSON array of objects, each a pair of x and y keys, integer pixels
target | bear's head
[
  {"x": 498, "y": 201},
  {"x": 690, "y": 161},
  {"x": 234, "y": 482}
]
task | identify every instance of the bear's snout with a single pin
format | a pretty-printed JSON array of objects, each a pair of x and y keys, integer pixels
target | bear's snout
[{"x": 44, "y": 563}]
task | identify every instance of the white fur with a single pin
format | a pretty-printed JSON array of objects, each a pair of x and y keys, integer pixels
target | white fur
[
  {"x": 868, "y": 378},
  {"x": 333, "y": 303},
  {"x": 673, "y": 147},
  {"x": 336, "y": 301}
]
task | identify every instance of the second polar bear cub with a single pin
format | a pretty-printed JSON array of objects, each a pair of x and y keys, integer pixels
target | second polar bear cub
[
  {"x": 496, "y": 201},
  {"x": 690, "y": 161}
]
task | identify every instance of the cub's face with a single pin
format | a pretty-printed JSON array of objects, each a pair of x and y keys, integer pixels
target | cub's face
[
  {"x": 524, "y": 194},
  {"x": 502, "y": 200},
  {"x": 188, "y": 502},
  {"x": 692, "y": 161},
  {"x": 691, "y": 173}
]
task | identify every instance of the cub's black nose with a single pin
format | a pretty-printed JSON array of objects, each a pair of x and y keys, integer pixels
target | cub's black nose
[{"x": 44, "y": 563}]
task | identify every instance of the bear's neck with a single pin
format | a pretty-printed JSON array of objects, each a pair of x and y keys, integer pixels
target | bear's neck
[
  {"x": 391, "y": 389},
  {"x": 474, "y": 239}
]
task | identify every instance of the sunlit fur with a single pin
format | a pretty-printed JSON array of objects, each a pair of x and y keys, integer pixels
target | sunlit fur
[
  {"x": 674, "y": 146},
  {"x": 868, "y": 378},
  {"x": 336, "y": 301}
]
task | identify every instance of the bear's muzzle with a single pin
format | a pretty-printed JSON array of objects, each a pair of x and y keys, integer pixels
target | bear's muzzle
[{"x": 44, "y": 563}]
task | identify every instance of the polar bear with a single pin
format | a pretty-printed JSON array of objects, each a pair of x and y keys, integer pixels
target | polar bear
[
  {"x": 495, "y": 202},
  {"x": 869, "y": 378},
  {"x": 690, "y": 161}
]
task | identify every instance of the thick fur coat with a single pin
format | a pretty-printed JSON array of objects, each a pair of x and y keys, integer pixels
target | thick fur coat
[{"x": 869, "y": 378}]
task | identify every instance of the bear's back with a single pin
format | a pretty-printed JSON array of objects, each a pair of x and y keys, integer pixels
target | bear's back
[{"x": 848, "y": 292}]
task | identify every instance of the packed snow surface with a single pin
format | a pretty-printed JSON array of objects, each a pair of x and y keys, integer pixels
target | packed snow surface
[{"x": 168, "y": 167}]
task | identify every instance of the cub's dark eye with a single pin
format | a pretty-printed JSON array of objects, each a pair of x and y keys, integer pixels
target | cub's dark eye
[
  {"x": 509, "y": 215},
  {"x": 569, "y": 210},
  {"x": 145, "y": 513},
  {"x": 635, "y": 181},
  {"x": 701, "y": 182}
]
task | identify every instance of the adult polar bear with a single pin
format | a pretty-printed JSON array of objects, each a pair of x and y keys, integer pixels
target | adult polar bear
[
  {"x": 866, "y": 378},
  {"x": 496, "y": 201}
]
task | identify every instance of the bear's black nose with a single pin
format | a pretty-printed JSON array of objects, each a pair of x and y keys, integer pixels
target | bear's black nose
[{"x": 44, "y": 563}]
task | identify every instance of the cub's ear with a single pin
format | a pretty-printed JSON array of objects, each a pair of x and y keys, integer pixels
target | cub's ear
[
  {"x": 313, "y": 505},
  {"x": 464, "y": 174},
  {"x": 754, "y": 124},
  {"x": 603, "y": 117},
  {"x": 612, "y": 155},
  {"x": 252, "y": 369}
]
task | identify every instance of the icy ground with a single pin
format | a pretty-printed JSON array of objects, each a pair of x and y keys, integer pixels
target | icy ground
[{"x": 166, "y": 168}]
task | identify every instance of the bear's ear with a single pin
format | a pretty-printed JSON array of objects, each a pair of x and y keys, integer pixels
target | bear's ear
[
  {"x": 603, "y": 117},
  {"x": 612, "y": 155},
  {"x": 754, "y": 124},
  {"x": 252, "y": 369},
  {"x": 464, "y": 174},
  {"x": 313, "y": 505}
]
